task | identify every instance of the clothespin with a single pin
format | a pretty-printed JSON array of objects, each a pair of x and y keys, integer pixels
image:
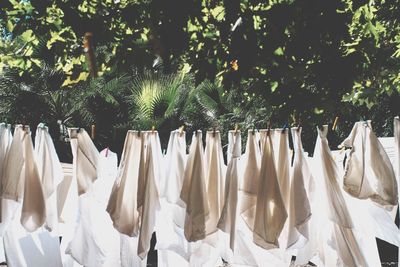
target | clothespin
[
  {"x": 214, "y": 131},
  {"x": 236, "y": 128},
  {"x": 107, "y": 152},
  {"x": 181, "y": 130},
  {"x": 298, "y": 125},
  {"x": 153, "y": 128},
  {"x": 335, "y": 123},
  {"x": 138, "y": 133},
  {"x": 253, "y": 132},
  {"x": 195, "y": 133},
  {"x": 93, "y": 135}
]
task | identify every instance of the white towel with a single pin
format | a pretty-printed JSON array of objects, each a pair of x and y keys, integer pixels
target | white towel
[
  {"x": 194, "y": 194},
  {"x": 369, "y": 173},
  {"x": 96, "y": 243},
  {"x": 340, "y": 239}
]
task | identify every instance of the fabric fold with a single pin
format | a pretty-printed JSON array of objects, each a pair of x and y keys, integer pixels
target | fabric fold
[
  {"x": 87, "y": 157},
  {"x": 368, "y": 172}
]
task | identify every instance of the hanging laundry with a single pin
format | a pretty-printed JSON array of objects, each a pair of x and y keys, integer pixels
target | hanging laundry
[
  {"x": 299, "y": 205},
  {"x": 175, "y": 162},
  {"x": 86, "y": 160},
  {"x": 172, "y": 247},
  {"x": 122, "y": 205},
  {"x": 50, "y": 172},
  {"x": 369, "y": 173},
  {"x": 7, "y": 208},
  {"x": 21, "y": 179},
  {"x": 96, "y": 243},
  {"x": 215, "y": 170},
  {"x": 282, "y": 156},
  {"x": 342, "y": 249},
  {"x": 250, "y": 182},
  {"x": 194, "y": 194},
  {"x": 396, "y": 128},
  {"x": 227, "y": 222},
  {"x": 148, "y": 196},
  {"x": 270, "y": 215},
  {"x": 5, "y": 142}
]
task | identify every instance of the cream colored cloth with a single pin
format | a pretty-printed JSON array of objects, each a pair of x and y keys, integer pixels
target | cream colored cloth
[
  {"x": 148, "y": 196},
  {"x": 299, "y": 205},
  {"x": 270, "y": 214},
  {"x": 342, "y": 239},
  {"x": 87, "y": 157},
  {"x": 5, "y": 142},
  {"x": 227, "y": 222},
  {"x": 122, "y": 205},
  {"x": 215, "y": 170},
  {"x": 194, "y": 194},
  {"x": 50, "y": 172},
  {"x": 280, "y": 142},
  {"x": 175, "y": 160},
  {"x": 21, "y": 180},
  {"x": 250, "y": 180},
  {"x": 369, "y": 173}
]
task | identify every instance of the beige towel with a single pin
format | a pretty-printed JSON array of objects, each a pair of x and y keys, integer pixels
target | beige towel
[
  {"x": 369, "y": 173},
  {"x": 50, "y": 172},
  {"x": 299, "y": 205},
  {"x": 248, "y": 186},
  {"x": 215, "y": 170},
  {"x": 85, "y": 160},
  {"x": 270, "y": 214},
  {"x": 33, "y": 212},
  {"x": 122, "y": 205},
  {"x": 227, "y": 222},
  {"x": 148, "y": 200},
  {"x": 194, "y": 194}
]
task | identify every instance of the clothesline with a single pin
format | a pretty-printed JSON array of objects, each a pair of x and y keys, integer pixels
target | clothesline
[{"x": 258, "y": 210}]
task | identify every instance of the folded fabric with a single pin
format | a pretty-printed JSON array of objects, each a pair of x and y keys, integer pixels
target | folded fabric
[
  {"x": 369, "y": 173},
  {"x": 86, "y": 158}
]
